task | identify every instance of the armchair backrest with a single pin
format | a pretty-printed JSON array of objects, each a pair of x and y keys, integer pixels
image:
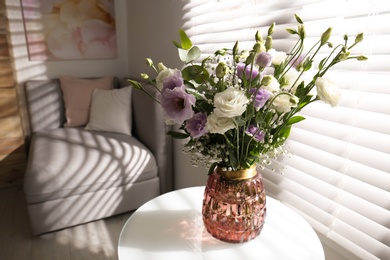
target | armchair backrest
[{"x": 45, "y": 104}]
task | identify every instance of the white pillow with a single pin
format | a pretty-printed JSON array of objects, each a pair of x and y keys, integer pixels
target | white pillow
[{"x": 111, "y": 111}]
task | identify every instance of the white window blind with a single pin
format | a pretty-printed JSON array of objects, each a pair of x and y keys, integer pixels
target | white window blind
[{"x": 338, "y": 177}]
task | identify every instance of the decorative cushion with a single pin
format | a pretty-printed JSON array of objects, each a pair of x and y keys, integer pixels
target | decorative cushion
[
  {"x": 110, "y": 111},
  {"x": 77, "y": 95}
]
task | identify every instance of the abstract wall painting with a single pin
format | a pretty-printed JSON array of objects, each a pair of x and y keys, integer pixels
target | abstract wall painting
[{"x": 70, "y": 29}]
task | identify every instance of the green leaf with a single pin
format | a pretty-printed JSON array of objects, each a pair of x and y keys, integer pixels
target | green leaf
[
  {"x": 182, "y": 54},
  {"x": 178, "y": 45},
  {"x": 196, "y": 73},
  {"x": 285, "y": 132},
  {"x": 178, "y": 135},
  {"x": 305, "y": 101},
  {"x": 221, "y": 52},
  {"x": 193, "y": 54},
  {"x": 204, "y": 106},
  {"x": 295, "y": 119},
  {"x": 186, "y": 43},
  {"x": 301, "y": 90},
  {"x": 233, "y": 160},
  {"x": 259, "y": 119},
  {"x": 322, "y": 63},
  {"x": 212, "y": 167}
]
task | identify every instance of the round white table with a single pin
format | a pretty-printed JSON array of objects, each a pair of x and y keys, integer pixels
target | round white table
[{"x": 171, "y": 227}]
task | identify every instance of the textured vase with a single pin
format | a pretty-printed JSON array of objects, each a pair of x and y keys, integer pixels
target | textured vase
[{"x": 234, "y": 205}]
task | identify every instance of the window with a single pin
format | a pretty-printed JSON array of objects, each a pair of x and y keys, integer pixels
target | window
[{"x": 338, "y": 177}]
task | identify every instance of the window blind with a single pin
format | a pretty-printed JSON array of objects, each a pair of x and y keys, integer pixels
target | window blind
[{"x": 338, "y": 175}]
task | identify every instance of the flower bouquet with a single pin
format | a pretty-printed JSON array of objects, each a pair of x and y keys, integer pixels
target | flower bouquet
[{"x": 236, "y": 108}]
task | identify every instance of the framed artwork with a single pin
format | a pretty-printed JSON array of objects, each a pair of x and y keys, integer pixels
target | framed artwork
[{"x": 70, "y": 29}]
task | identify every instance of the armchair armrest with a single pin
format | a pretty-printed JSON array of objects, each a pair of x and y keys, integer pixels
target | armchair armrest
[{"x": 149, "y": 127}]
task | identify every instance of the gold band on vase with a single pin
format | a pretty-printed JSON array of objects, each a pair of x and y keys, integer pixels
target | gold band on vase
[{"x": 239, "y": 174}]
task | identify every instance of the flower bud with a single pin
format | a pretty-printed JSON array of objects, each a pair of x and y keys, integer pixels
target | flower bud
[
  {"x": 235, "y": 48},
  {"x": 149, "y": 62},
  {"x": 221, "y": 70},
  {"x": 298, "y": 18},
  {"x": 359, "y": 38},
  {"x": 271, "y": 29},
  {"x": 325, "y": 36},
  {"x": 144, "y": 76},
  {"x": 259, "y": 47},
  {"x": 268, "y": 43},
  {"x": 264, "y": 59},
  {"x": 361, "y": 57},
  {"x": 301, "y": 31},
  {"x": 344, "y": 55},
  {"x": 258, "y": 37}
]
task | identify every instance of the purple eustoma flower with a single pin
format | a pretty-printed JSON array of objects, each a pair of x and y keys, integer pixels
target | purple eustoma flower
[
  {"x": 254, "y": 131},
  {"x": 242, "y": 68},
  {"x": 173, "y": 81},
  {"x": 177, "y": 104},
  {"x": 196, "y": 125},
  {"x": 264, "y": 59},
  {"x": 259, "y": 97}
]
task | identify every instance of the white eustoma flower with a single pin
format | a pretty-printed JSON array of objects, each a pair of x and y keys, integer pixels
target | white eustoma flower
[
  {"x": 290, "y": 77},
  {"x": 161, "y": 67},
  {"x": 284, "y": 102},
  {"x": 230, "y": 103},
  {"x": 327, "y": 91},
  {"x": 277, "y": 56},
  {"x": 271, "y": 84},
  {"x": 219, "y": 125}
]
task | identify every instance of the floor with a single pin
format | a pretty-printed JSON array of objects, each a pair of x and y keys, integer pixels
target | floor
[{"x": 95, "y": 240}]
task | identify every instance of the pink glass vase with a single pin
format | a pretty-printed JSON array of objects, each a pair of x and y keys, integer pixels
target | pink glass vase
[{"x": 234, "y": 205}]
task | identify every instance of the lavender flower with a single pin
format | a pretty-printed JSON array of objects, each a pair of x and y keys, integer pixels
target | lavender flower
[
  {"x": 173, "y": 80},
  {"x": 168, "y": 78},
  {"x": 254, "y": 131},
  {"x": 264, "y": 59},
  {"x": 196, "y": 125},
  {"x": 242, "y": 68},
  {"x": 177, "y": 104},
  {"x": 260, "y": 97}
]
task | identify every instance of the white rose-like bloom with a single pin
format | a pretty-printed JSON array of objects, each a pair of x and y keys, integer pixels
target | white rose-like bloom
[
  {"x": 165, "y": 73},
  {"x": 327, "y": 91},
  {"x": 219, "y": 125},
  {"x": 230, "y": 103},
  {"x": 277, "y": 56},
  {"x": 283, "y": 103}
]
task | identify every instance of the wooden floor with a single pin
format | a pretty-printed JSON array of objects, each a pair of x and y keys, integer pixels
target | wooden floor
[{"x": 95, "y": 240}]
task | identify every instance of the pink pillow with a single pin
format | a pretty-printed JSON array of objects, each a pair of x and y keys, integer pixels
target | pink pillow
[{"x": 77, "y": 95}]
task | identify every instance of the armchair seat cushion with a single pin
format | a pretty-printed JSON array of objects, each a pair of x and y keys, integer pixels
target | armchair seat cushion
[{"x": 66, "y": 162}]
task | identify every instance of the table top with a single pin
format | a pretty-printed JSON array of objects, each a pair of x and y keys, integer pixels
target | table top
[{"x": 171, "y": 227}]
